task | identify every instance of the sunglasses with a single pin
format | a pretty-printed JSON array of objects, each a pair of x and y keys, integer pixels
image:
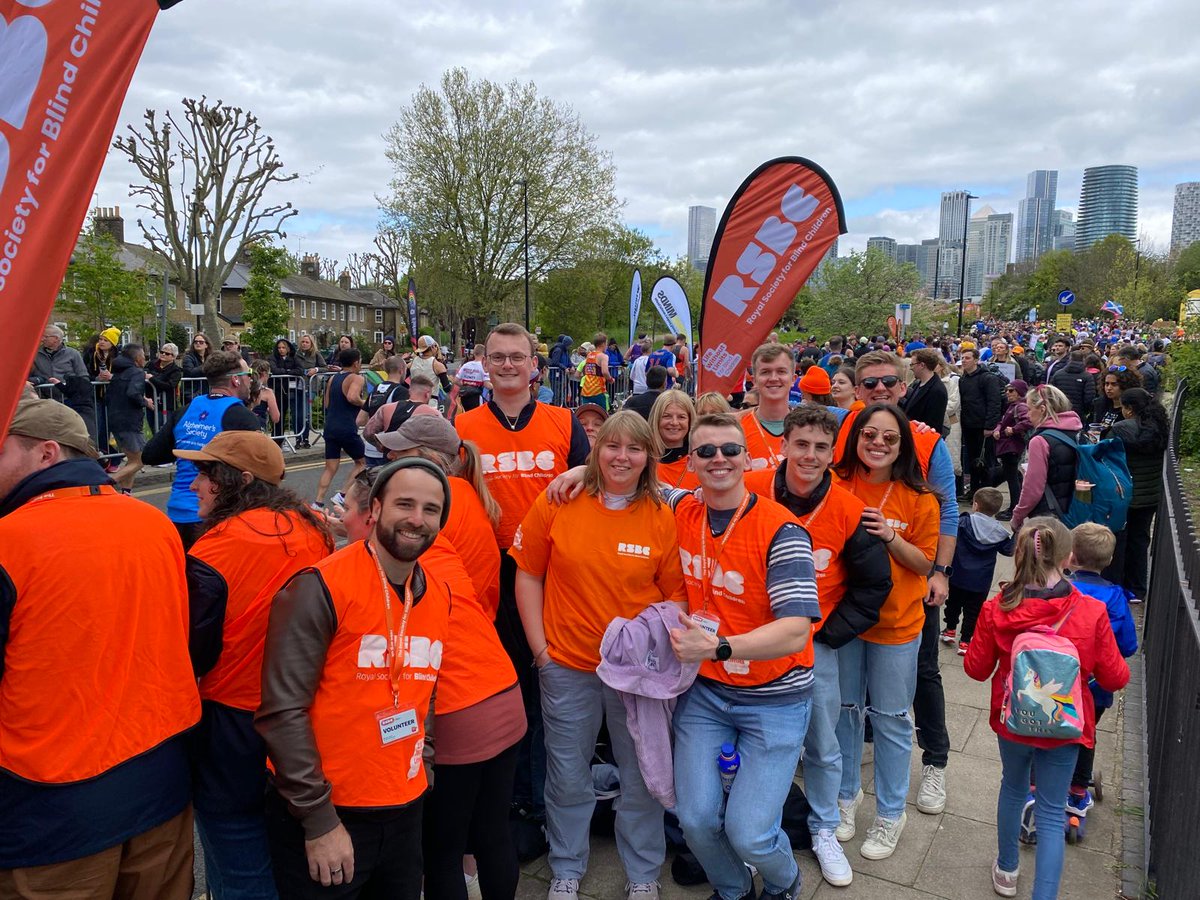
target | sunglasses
[
  {"x": 870, "y": 435},
  {"x": 889, "y": 381},
  {"x": 729, "y": 451},
  {"x": 1118, "y": 368},
  {"x": 201, "y": 342}
]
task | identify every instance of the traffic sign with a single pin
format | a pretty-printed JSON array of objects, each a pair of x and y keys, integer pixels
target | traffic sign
[
  {"x": 1066, "y": 298},
  {"x": 904, "y": 313}
]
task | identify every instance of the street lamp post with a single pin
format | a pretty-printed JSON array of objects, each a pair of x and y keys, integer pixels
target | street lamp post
[
  {"x": 962, "y": 280},
  {"x": 524, "y": 183}
]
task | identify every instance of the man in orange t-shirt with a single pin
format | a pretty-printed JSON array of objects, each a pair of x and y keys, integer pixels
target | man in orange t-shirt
[
  {"x": 774, "y": 372},
  {"x": 524, "y": 444},
  {"x": 752, "y": 595}
]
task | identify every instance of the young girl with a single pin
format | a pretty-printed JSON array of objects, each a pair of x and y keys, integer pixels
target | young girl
[{"x": 1040, "y": 594}]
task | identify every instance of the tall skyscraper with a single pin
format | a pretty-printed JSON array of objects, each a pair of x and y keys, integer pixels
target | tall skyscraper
[
  {"x": 885, "y": 245},
  {"x": 909, "y": 253},
  {"x": 1185, "y": 220},
  {"x": 1108, "y": 204},
  {"x": 702, "y": 225},
  {"x": 989, "y": 239},
  {"x": 1035, "y": 214},
  {"x": 953, "y": 222},
  {"x": 927, "y": 264}
]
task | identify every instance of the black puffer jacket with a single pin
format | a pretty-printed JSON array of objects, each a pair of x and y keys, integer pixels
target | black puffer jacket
[
  {"x": 982, "y": 397},
  {"x": 126, "y": 396},
  {"x": 1061, "y": 464},
  {"x": 1144, "y": 449},
  {"x": 1078, "y": 384}
]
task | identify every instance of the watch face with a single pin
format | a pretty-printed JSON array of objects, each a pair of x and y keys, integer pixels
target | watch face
[{"x": 724, "y": 651}]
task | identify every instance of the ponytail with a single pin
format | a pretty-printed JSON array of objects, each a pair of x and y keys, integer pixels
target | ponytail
[
  {"x": 1041, "y": 548},
  {"x": 470, "y": 468}
]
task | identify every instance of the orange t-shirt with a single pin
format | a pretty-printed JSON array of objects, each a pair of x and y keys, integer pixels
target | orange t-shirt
[
  {"x": 924, "y": 442},
  {"x": 598, "y": 564},
  {"x": 766, "y": 450},
  {"x": 676, "y": 474},
  {"x": 916, "y": 518},
  {"x": 518, "y": 465}
]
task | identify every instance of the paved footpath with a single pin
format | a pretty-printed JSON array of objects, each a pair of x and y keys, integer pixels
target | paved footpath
[{"x": 947, "y": 856}]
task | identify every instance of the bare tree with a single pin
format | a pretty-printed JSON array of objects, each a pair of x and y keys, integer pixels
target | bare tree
[
  {"x": 328, "y": 269},
  {"x": 203, "y": 185},
  {"x": 364, "y": 269}
]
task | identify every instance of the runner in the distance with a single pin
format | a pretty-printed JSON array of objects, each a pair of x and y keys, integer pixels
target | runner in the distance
[{"x": 344, "y": 397}]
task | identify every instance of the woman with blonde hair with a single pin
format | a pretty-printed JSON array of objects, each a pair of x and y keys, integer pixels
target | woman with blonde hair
[
  {"x": 671, "y": 419},
  {"x": 1052, "y": 463},
  {"x": 569, "y": 587},
  {"x": 710, "y": 403},
  {"x": 1040, "y": 595}
]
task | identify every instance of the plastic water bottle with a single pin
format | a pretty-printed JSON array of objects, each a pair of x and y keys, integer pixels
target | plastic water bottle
[{"x": 728, "y": 762}]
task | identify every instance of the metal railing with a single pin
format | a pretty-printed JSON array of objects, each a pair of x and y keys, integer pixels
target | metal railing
[{"x": 1171, "y": 644}]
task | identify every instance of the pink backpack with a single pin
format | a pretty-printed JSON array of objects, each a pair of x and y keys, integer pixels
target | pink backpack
[{"x": 1043, "y": 696}]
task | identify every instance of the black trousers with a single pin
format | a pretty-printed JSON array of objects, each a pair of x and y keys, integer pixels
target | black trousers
[
  {"x": 1130, "y": 566},
  {"x": 929, "y": 702},
  {"x": 1087, "y": 758},
  {"x": 967, "y": 604},
  {"x": 1010, "y": 473},
  {"x": 467, "y": 812},
  {"x": 972, "y": 449},
  {"x": 387, "y": 853}
]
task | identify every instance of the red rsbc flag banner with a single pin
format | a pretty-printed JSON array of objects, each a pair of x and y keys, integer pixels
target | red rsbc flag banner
[
  {"x": 65, "y": 66},
  {"x": 775, "y": 230}
]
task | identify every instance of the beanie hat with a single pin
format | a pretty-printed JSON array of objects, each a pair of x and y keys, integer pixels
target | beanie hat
[
  {"x": 1020, "y": 387},
  {"x": 816, "y": 381},
  {"x": 112, "y": 335}
]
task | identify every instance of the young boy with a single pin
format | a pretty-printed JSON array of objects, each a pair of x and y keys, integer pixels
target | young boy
[
  {"x": 980, "y": 538},
  {"x": 1092, "y": 548}
]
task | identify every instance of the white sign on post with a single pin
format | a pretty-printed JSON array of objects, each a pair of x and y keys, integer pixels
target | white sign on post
[{"x": 904, "y": 313}]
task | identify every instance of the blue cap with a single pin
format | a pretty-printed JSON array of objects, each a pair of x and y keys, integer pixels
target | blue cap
[{"x": 728, "y": 749}]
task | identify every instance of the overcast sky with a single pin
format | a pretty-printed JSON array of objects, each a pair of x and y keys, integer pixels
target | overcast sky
[{"x": 897, "y": 101}]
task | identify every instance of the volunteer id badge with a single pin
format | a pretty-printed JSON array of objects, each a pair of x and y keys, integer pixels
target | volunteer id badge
[
  {"x": 395, "y": 725},
  {"x": 707, "y": 621}
]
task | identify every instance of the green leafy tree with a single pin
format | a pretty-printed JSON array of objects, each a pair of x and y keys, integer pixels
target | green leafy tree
[
  {"x": 98, "y": 291},
  {"x": 1187, "y": 270},
  {"x": 859, "y": 292},
  {"x": 263, "y": 305},
  {"x": 466, "y": 155}
]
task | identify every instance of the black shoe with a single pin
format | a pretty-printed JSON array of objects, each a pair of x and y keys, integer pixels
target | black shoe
[
  {"x": 1005, "y": 516},
  {"x": 303, "y": 444},
  {"x": 790, "y": 894}
]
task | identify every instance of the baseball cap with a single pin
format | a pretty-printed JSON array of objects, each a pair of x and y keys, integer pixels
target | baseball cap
[
  {"x": 433, "y": 432},
  {"x": 49, "y": 420},
  {"x": 427, "y": 342},
  {"x": 246, "y": 451},
  {"x": 591, "y": 407}
]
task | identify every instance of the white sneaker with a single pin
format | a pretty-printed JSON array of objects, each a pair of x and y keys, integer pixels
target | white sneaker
[
  {"x": 473, "y": 890},
  {"x": 847, "y": 809},
  {"x": 835, "y": 868},
  {"x": 338, "y": 499},
  {"x": 931, "y": 798},
  {"x": 642, "y": 890},
  {"x": 563, "y": 889},
  {"x": 882, "y": 837}
]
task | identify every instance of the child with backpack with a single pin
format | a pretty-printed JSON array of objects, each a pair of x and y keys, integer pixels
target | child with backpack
[
  {"x": 1039, "y": 640},
  {"x": 981, "y": 538},
  {"x": 1092, "y": 548}
]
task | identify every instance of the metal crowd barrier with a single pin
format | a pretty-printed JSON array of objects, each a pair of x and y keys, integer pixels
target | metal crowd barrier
[{"x": 94, "y": 411}]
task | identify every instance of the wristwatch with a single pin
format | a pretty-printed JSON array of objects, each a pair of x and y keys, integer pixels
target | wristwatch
[
  {"x": 945, "y": 570},
  {"x": 724, "y": 651}
]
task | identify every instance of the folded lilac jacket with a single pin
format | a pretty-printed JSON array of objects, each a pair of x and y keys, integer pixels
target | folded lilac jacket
[{"x": 637, "y": 661}]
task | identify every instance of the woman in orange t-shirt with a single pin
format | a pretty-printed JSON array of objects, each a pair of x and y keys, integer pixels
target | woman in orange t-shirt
[
  {"x": 881, "y": 468},
  {"x": 612, "y": 551},
  {"x": 671, "y": 418}
]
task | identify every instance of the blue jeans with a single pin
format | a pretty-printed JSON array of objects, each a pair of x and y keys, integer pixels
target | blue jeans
[
  {"x": 237, "y": 856},
  {"x": 822, "y": 753},
  {"x": 726, "y": 833},
  {"x": 573, "y": 705},
  {"x": 1053, "y": 769},
  {"x": 889, "y": 673}
]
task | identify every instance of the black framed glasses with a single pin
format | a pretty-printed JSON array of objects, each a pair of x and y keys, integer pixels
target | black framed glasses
[
  {"x": 729, "y": 451},
  {"x": 889, "y": 381}
]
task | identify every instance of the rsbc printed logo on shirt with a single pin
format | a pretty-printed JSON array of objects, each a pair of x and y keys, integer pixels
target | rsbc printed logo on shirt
[
  {"x": 638, "y": 551},
  {"x": 731, "y": 581},
  {"x": 419, "y": 654},
  {"x": 519, "y": 461}
]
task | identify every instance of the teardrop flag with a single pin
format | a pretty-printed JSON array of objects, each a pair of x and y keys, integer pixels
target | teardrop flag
[
  {"x": 773, "y": 234},
  {"x": 635, "y": 304}
]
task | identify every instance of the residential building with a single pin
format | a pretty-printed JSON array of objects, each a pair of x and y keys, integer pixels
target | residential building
[
  {"x": 1035, "y": 214},
  {"x": 1108, "y": 204},
  {"x": 1064, "y": 230},
  {"x": 886, "y": 245},
  {"x": 1185, "y": 220},
  {"x": 702, "y": 226},
  {"x": 989, "y": 241}
]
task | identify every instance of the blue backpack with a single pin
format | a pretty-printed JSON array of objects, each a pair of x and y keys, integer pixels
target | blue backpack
[{"x": 1103, "y": 464}]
